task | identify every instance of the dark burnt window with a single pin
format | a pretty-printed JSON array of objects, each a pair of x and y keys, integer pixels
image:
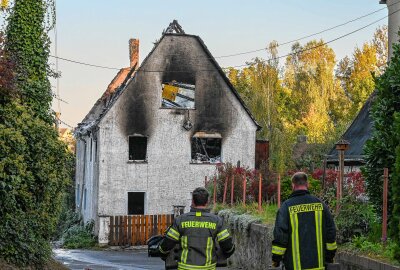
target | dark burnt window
[
  {"x": 206, "y": 148},
  {"x": 137, "y": 147},
  {"x": 136, "y": 203},
  {"x": 178, "y": 95}
]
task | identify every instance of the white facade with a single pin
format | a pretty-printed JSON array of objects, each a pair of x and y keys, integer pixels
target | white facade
[
  {"x": 393, "y": 23},
  {"x": 104, "y": 174}
]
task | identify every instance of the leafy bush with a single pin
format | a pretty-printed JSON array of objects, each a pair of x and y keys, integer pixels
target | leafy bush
[
  {"x": 355, "y": 218},
  {"x": 35, "y": 168},
  {"x": 79, "y": 236},
  {"x": 381, "y": 147},
  {"x": 395, "y": 179},
  {"x": 226, "y": 171},
  {"x": 314, "y": 186},
  {"x": 375, "y": 249}
]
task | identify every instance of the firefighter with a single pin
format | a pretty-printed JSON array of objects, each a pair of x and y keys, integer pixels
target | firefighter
[
  {"x": 197, "y": 232},
  {"x": 304, "y": 233}
]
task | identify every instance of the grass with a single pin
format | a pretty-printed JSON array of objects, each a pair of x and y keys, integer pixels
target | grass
[
  {"x": 267, "y": 214},
  {"x": 374, "y": 250}
]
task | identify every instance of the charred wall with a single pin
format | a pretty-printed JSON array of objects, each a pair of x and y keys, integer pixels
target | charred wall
[
  {"x": 136, "y": 108},
  {"x": 213, "y": 107},
  {"x": 179, "y": 58}
]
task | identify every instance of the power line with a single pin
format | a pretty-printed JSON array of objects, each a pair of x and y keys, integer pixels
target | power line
[
  {"x": 328, "y": 42},
  {"x": 307, "y": 36},
  {"x": 279, "y": 57},
  {"x": 82, "y": 63},
  {"x": 58, "y": 98},
  {"x": 61, "y": 121}
]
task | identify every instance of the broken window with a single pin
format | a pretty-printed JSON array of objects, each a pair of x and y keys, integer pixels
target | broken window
[
  {"x": 206, "y": 147},
  {"x": 136, "y": 203},
  {"x": 137, "y": 147},
  {"x": 178, "y": 95}
]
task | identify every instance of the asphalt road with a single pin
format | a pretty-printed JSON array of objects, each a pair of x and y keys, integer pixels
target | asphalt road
[{"x": 77, "y": 259}]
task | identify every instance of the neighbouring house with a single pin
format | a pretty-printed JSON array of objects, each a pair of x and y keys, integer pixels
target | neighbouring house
[
  {"x": 360, "y": 129},
  {"x": 158, "y": 130},
  {"x": 357, "y": 135}
]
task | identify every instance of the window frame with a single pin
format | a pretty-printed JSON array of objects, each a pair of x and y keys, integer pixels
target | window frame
[
  {"x": 205, "y": 135},
  {"x": 129, "y": 144},
  {"x": 144, "y": 201},
  {"x": 177, "y": 108}
]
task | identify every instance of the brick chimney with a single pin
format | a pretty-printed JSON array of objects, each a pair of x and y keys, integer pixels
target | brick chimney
[{"x": 133, "y": 52}]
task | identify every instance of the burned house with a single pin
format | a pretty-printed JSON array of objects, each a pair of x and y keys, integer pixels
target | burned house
[{"x": 158, "y": 130}]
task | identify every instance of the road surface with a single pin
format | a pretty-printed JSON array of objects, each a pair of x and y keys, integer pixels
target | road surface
[{"x": 76, "y": 259}]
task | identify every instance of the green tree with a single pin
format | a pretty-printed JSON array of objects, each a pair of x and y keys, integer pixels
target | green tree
[
  {"x": 318, "y": 103},
  {"x": 260, "y": 86},
  {"x": 395, "y": 184},
  {"x": 28, "y": 44},
  {"x": 35, "y": 166},
  {"x": 356, "y": 74},
  {"x": 380, "y": 148}
]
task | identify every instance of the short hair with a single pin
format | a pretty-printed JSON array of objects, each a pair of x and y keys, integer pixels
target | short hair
[
  {"x": 299, "y": 179},
  {"x": 200, "y": 196}
]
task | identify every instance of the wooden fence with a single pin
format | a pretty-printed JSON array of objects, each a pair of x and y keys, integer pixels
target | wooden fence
[{"x": 135, "y": 230}]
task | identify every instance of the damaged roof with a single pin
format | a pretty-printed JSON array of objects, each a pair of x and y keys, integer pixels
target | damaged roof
[
  {"x": 118, "y": 84},
  {"x": 357, "y": 134}
]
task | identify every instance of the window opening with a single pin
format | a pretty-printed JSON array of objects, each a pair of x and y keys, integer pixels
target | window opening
[
  {"x": 137, "y": 147},
  {"x": 206, "y": 148},
  {"x": 136, "y": 203},
  {"x": 178, "y": 95}
]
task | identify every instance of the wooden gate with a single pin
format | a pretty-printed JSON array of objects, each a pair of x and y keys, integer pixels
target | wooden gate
[{"x": 135, "y": 230}]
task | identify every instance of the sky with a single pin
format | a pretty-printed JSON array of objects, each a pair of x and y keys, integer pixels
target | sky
[{"x": 98, "y": 31}]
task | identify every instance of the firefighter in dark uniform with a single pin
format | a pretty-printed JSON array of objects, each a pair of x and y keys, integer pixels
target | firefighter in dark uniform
[
  {"x": 304, "y": 233},
  {"x": 197, "y": 232}
]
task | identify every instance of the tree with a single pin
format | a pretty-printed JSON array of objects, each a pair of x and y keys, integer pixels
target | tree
[
  {"x": 356, "y": 74},
  {"x": 28, "y": 44},
  {"x": 318, "y": 103},
  {"x": 261, "y": 88},
  {"x": 35, "y": 166},
  {"x": 380, "y": 148},
  {"x": 395, "y": 185}
]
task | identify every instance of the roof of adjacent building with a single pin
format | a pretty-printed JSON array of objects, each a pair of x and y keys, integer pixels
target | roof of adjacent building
[
  {"x": 357, "y": 135},
  {"x": 117, "y": 85}
]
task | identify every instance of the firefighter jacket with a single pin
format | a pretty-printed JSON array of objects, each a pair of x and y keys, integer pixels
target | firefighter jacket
[
  {"x": 304, "y": 232},
  {"x": 198, "y": 232}
]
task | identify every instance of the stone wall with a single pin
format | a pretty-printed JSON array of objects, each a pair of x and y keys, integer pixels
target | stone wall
[
  {"x": 252, "y": 240},
  {"x": 355, "y": 262},
  {"x": 253, "y": 246}
]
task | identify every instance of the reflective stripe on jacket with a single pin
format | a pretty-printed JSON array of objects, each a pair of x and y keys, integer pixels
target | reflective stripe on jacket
[
  {"x": 198, "y": 232},
  {"x": 304, "y": 230}
]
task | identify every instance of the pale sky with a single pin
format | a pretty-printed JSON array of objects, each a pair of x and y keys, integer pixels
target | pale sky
[{"x": 97, "y": 32}]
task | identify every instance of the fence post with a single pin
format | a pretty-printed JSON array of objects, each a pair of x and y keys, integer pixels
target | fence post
[
  {"x": 215, "y": 190},
  {"x": 244, "y": 190},
  {"x": 279, "y": 191},
  {"x": 385, "y": 195},
  {"x": 259, "y": 192},
  {"x": 205, "y": 181},
  {"x": 225, "y": 189},
  {"x": 232, "y": 188}
]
